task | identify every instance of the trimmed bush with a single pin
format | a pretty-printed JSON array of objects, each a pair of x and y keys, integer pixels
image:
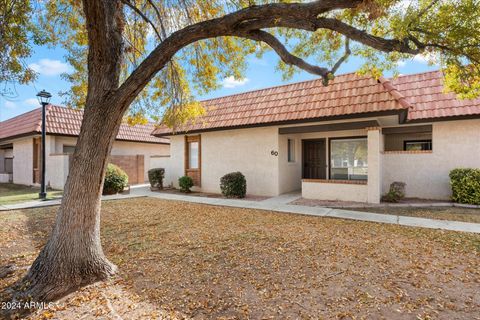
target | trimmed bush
[
  {"x": 465, "y": 184},
  {"x": 155, "y": 177},
  {"x": 115, "y": 180},
  {"x": 185, "y": 183},
  {"x": 396, "y": 192},
  {"x": 233, "y": 185}
]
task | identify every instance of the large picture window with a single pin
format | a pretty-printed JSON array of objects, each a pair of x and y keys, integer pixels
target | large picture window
[{"x": 348, "y": 159}]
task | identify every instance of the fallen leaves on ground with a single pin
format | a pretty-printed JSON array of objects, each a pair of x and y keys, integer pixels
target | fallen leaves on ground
[{"x": 184, "y": 260}]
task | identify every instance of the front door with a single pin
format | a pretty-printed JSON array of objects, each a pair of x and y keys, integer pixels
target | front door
[{"x": 314, "y": 159}]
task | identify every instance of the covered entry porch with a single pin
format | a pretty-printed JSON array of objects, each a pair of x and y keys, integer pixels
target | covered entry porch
[{"x": 337, "y": 161}]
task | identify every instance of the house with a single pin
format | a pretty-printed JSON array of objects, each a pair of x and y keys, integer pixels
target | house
[
  {"x": 135, "y": 150},
  {"x": 347, "y": 141}
]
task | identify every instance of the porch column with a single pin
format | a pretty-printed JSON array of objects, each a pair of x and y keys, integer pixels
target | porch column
[{"x": 375, "y": 148}]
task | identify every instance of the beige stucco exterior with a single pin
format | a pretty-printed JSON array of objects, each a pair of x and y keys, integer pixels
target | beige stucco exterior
[
  {"x": 249, "y": 150},
  {"x": 335, "y": 191},
  {"x": 455, "y": 144},
  {"x": 57, "y": 163},
  {"x": 244, "y": 150}
]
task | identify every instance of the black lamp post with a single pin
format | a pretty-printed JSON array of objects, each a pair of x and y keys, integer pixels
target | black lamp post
[{"x": 44, "y": 98}]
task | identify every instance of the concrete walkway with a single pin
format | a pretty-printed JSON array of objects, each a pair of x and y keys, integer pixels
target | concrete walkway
[{"x": 280, "y": 204}]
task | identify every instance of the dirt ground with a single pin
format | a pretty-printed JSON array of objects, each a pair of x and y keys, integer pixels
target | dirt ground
[
  {"x": 181, "y": 260},
  {"x": 248, "y": 197}
]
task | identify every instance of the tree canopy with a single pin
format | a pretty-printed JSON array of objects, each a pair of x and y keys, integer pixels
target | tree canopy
[{"x": 381, "y": 32}]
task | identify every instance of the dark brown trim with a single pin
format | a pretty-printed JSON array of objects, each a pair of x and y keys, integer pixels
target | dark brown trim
[
  {"x": 276, "y": 123},
  {"x": 196, "y": 171},
  {"x": 18, "y": 136},
  {"x": 408, "y": 129},
  {"x": 32, "y": 133},
  {"x": 329, "y": 173},
  {"x": 440, "y": 119},
  {"x": 329, "y": 127},
  {"x": 6, "y": 146}
]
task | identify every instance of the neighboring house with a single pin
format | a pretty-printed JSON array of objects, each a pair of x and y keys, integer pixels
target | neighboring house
[
  {"x": 135, "y": 150},
  {"x": 347, "y": 141}
]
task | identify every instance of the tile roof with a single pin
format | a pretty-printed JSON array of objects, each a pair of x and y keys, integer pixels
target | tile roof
[
  {"x": 345, "y": 95},
  {"x": 425, "y": 92},
  {"x": 65, "y": 121},
  {"x": 420, "y": 95}
]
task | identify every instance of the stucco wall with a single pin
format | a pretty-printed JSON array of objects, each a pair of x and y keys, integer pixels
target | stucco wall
[
  {"x": 56, "y": 170},
  {"x": 23, "y": 161},
  {"x": 455, "y": 144},
  {"x": 335, "y": 191},
  {"x": 244, "y": 150},
  {"x": 162, "y": 162},
  {"x": 122, "y": 148}
]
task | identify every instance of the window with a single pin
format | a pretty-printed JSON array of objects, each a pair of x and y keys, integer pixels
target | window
[
  {"x": 193, "y": 155},
  {"x": 417, "y": 145},
  {"x": 348, "y": 159},
  {"x": 68, "y": 149},
  {"x": 291, "y": 150}
]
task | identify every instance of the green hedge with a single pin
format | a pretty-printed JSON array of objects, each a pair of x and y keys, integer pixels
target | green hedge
[
  {"x": 115, "y": 180},
  {"x": 155, "y": 177},
  {"x": 185, "y": 183},
  {"x": 465, "y": 185},
  {"x": 233, "y": 185}
]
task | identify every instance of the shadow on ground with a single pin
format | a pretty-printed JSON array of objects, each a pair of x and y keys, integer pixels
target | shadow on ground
[{"x": 185, "y": 260}]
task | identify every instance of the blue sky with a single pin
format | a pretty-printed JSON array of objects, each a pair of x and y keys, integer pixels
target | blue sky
[{"x": 50, "y": 63}]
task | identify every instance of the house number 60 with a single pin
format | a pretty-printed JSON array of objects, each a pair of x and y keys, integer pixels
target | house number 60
[{"x": 274, "y": 153}]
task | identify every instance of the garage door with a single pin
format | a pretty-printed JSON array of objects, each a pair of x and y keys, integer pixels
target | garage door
[{"x": 132, "y": 165}]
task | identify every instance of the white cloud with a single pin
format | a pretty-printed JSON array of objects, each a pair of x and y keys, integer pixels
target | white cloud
[
  {"x": 48, "y": 67},
  {"x": 31, "y": 102},
  {"x": 231, "y": 82},
  {"x": 420, "y": 58},
  {"x": 10, "y": 105},
  {"x": 401, "y": 63}
]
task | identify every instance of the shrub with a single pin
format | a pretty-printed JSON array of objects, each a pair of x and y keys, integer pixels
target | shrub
[
  {"x": 115, "y": 180},
  {"x": 465, "y": 185},
  {"x": 185, "y": 183},
  {"x": 396, "y": 192},
  {"x": 155, "y": 177},
  {"x": 233, "y": 185}
]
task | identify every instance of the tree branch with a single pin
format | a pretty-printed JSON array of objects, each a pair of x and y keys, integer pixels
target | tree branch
[
  {"x": 247, "y": 23},
  {"x": 343, "y": 58},
  {"x": 144, "y": 17},
  {"x": 285, "y": 55}
]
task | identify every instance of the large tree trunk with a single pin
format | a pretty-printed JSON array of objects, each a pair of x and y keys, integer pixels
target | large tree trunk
[{"x": 73, "y": 256}]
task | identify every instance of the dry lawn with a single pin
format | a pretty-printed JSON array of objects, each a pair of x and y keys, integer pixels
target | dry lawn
[{"x": 183, "y": 260}]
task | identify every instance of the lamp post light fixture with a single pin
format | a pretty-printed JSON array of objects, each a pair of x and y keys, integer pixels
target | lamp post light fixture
[{"x": 44, "y": 98}]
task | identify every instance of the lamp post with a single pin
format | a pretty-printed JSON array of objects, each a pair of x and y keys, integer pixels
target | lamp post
[{"x": 44, "y": 98}]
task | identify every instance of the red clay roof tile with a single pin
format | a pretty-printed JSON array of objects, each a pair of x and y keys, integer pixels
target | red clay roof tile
[
  {"x": 420, "y": 94},
  {"x": 65, "y": 121}
]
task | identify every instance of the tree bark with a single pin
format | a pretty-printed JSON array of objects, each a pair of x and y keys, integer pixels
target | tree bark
[{"x": 73, "y": 256}]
